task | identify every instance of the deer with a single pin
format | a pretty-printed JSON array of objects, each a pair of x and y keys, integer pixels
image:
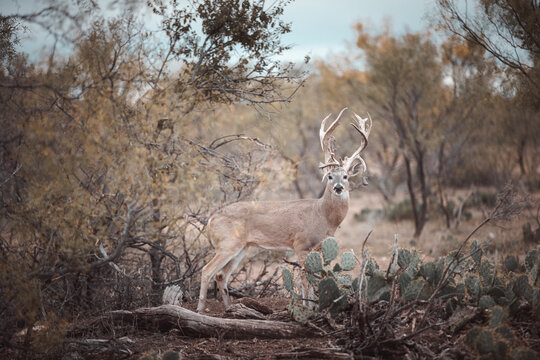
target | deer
[{"x": 297, "y": 225}]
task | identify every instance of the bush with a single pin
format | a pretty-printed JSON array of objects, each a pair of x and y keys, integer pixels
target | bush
[{"x": 400, "y": 211}]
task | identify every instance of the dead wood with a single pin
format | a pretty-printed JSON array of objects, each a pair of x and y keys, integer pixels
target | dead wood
[
  {"x": 317, "y": 353},
  {"x": 241, "y": 311},
  {"x": 166, "y": 317},
  {"x": 255, "y": 305}
]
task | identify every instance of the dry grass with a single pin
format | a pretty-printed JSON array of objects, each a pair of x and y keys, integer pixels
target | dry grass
[{"x": 436, "y": 240}]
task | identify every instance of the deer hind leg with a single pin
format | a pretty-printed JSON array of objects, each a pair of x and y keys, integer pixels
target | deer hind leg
[
  {"x": 222, "y": 276},
  {"x": 208, "y": 272}
]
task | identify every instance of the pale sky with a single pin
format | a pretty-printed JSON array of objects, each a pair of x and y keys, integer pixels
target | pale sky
[
  {"x": 319, "y": 27},
  {"x": 324, "y": 27}
]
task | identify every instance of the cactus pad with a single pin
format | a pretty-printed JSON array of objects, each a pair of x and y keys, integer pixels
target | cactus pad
[
  {"x": 485, "y": 342},
  {"x": 472, "y": 283},
  {"x": 299, "y": 313},
  {"x": 348, "y": 261},
  {"x": 486, "y": 302},
  {"x": 344, "y": 279},
  {"x": 371, "y": 267},
  {"x": 427, "y": 270},
  {"x": 521, "y": 287},
  {"x": 329, "y": 249},
  {"x": 418, "y": 289},
  {"x": 313, "y": 263},
  {"x": 287, "y": 277},
  {"x": 328, "y": 292},
  {"x": 476, "y": 252},
  {"x": 511, "y": 263},
  {"x": 496, "y": 317},
  {"x": 504, "y": 332},
  {"x": 471, "y": 336},
  {"x": 339, "y": 305}
]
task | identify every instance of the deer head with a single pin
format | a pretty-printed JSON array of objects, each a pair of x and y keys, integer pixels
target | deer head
[{"x": 337, "y": 171}]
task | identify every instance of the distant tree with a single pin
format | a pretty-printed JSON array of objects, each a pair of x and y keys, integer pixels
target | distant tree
[
  {"x": 509, "y": 30},
  {"x": 402, "y": 83}
]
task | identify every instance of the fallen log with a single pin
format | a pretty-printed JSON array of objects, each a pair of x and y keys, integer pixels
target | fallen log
[
  {"x": 316, "y": 353},
  {"x": 166, "y": 317}
]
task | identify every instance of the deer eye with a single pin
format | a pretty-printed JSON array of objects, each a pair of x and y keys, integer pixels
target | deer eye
[
  {"x": 330, "y": 177},
  {"x": 345, "y": 177}
]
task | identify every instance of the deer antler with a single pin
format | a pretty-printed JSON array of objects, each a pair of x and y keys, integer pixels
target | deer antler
[
  {"x": 363, "y": 126},
  {"x": 328, "y": 141}
]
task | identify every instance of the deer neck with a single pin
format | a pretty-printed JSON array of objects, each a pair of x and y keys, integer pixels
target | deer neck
[{"x": 333, "y": 208}]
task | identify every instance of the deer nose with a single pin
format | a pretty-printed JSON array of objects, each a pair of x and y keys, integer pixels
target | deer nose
[{"x": 338, "y": 188}]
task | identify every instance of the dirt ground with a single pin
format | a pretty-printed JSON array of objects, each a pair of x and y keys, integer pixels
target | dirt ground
[{"x": 436, "y": 239}]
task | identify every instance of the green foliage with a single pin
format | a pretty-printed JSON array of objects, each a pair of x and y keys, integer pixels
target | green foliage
[
  {"x": 377, "y": 287},
  {"x": 476, "y": 251},
  {"x": 334, "y": 287},
  {"x": 472, "y": 284},
  {"x": 348, "y": 261},
  {"x": 287, "y": 277},
  {"x": 511, "y": 263},
  {"x": 418, "y": 289},
  {"x": 329, "y": 249},
  {"x": 313, "y": 263},
  {"x": 400, "y": 211},
  {"x": 328, "y": 292},
  {"x": 486, "y": 302}
]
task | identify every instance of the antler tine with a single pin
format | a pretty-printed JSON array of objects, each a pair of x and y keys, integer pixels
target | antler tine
[
  {"x": 325, "y": 136},
  {"x": 363, "y": 126}
]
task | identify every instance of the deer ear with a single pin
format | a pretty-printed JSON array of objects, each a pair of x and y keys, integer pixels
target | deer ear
[
  {"x": 325, "y": 176},
  {"x": 356, "y": 167}
]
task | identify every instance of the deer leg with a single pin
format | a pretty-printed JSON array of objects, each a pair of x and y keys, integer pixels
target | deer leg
[
  {"x": 208, "y": 272},
  {"x": 222, "y": 277}
]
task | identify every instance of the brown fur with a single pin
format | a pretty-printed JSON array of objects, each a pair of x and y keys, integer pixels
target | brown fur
[{"x": 297, "y": 225}]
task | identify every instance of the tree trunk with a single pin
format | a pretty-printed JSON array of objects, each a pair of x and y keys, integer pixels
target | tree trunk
[
  {"x": 423, "y": 191},
  {"x": 412, "y": 195},
  {"x": 156, "y": 257},
  {"x": 166, "y": 317},
  {"x": 521, "y": 157}
]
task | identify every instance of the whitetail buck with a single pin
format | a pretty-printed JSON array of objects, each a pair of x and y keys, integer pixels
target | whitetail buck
[{"x": 297, "y": 225}]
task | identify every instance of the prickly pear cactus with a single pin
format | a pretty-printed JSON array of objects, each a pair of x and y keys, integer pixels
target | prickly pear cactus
[
  {"x": 313, "y": 263},
  {"x": 287, "y": 277},
  {"x": 418, "y": 289},
  {"x": 333, "y": 288},
  {"x": 299, "y": 312},
  {"x": 472, "y": 283},
  {"x": 328, "y": 292},
  {"x": 486, "y": 302},
  {"x": 330, "y": 249},
  {"x": 348, "y": 261},
  {"x": 496, "y": 317}
]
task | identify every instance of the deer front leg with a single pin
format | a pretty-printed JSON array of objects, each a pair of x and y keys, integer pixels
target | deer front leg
[
  {"x": 208, "y": 272},
  {"x": 222, "y": 277}
]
